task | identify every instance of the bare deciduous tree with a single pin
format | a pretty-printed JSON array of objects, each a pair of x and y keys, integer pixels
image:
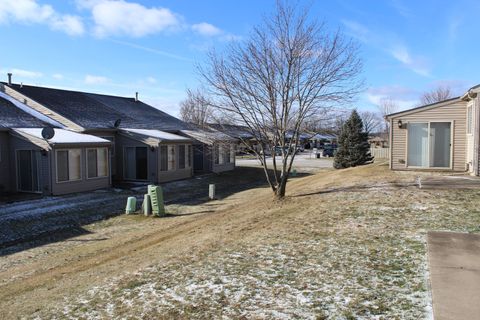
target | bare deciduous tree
[
  {"x": 372, "y": 122},
  {"x": 290, "y": 68},
  {"x": 196, "y": 108},
  {"x": 386, "y": 107},
  {"x": 436, "y": 95}
]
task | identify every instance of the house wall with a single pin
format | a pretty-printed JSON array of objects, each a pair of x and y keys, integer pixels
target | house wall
[
  {"x": 177, "y": 174},
  {"x": 5, "y": 183},
  {"x": 82, "y": 185},
  {"x": 44, "y": 165},
  {"x": 121, "y": 142},
  {"x": 217, "y": 168},
  {"x": 110, "y": 135},
  {"x": 455, "y": 112}
]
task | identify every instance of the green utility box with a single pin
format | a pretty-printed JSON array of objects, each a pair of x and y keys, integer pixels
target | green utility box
[
  {"x": 131, "y": 205},
  {"x": 156, "y": 197}
]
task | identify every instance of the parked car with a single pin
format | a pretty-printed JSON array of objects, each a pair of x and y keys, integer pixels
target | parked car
[{"x": 329, "y": 151}]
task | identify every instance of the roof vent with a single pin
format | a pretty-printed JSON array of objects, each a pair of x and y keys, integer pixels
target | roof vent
[
  {"x": 136, "y": 96},
  {"x": 9, "y": 78}
]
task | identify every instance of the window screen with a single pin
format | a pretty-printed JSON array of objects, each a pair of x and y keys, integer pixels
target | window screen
[
  {"x": 163, "y": 158},
  {"x": 181, "y": 157}
]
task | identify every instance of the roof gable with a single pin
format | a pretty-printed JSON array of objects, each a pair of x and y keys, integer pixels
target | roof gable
[{"x": 424, "y": 107}]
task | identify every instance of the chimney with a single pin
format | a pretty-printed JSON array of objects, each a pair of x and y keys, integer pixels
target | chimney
[
  {"x": 136, "y": 96},
  {"x": 9, "y": 78}
]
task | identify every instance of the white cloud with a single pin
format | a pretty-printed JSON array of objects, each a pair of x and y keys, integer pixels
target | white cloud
[
  {"x": 26, "y": 74},
  {"x": 416, "y": 64},
  {"x": 206, "y": 29},
  {"x": 122, "y": 18},
  {"x": 390, "y": 43},
  {"x": 401, "y": 8},
  {"x": 31, "y": 12},
  {"x": 57, "y": 76},
  {"x": 90, "y": 79},
  {"x": 151, "y": 80},
  {"x": 71, "y": 25},
  {"x": 405, "y": 97},
  {"x": 357, "y": 30}
]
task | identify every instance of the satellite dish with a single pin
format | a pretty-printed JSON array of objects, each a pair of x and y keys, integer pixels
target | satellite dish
[
  {"x": 48, "y": 133},
  {"x": 117, "y": 123}
]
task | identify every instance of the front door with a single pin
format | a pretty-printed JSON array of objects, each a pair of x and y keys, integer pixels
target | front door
[{"x": 28, "y": 171}]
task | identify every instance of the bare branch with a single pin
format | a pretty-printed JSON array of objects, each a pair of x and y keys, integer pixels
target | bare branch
[{"x": 290, "y": 69}]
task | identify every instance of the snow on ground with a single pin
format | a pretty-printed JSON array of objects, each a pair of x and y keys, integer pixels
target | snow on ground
[{"x": 364, "y": 260}]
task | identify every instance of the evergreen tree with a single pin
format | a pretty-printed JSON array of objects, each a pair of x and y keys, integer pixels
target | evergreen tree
[{"x": 353, "y": 149}]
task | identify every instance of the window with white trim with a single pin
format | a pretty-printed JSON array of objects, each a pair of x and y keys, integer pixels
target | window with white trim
[
  {"x": 69, "y": 165},
  {"x": 216, "y": 154},
  {"x": 232, "y": 153},
  {"x": 163, "y": 158},
  {"x": 221, "y": 155},
  {"x": 97, "y": 163},
  {"x": 171, "y": 157},
  {"x": 189, "y": 156},
  {"x": 181, "y": 156}
]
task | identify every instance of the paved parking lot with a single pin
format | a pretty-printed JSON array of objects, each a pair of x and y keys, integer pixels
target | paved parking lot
[{"x": 304, "y": 162}]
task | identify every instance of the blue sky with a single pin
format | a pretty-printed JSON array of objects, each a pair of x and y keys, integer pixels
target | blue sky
[{"x": 120, "y": 47}]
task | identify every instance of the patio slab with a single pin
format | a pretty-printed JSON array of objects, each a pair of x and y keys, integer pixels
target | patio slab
[{"x": 454, "y": 263}]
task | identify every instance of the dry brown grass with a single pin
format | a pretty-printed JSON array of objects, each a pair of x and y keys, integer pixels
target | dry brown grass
[{"x": 343, "y": 244}]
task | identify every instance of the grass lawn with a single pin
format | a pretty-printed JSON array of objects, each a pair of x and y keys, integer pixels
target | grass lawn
[{"x": 344, "y": 245}]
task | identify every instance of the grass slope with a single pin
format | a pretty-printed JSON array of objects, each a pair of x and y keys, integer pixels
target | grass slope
[{"x": 344, "y": 245}]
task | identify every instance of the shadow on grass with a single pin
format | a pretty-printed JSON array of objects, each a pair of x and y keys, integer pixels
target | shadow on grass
[{"x": 23, "y": 234}]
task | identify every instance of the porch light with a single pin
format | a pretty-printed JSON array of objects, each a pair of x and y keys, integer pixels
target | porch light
[{"x": 400, "y": 123}]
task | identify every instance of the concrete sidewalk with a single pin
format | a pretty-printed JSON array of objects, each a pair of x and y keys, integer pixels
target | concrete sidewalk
[{"x": 454, "y": 263}]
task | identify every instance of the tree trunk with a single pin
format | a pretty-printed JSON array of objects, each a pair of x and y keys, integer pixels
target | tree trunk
[{"x": 281, "y": 189}]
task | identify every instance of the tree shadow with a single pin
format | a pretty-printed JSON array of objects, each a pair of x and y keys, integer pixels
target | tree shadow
[{"x": 21, "y": 234}]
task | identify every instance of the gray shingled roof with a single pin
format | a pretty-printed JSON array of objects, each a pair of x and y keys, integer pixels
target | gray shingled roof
[
  {"x": 234, "y": 131},
  {"x": 13, "y": 117},
  {"x": 96, "y": 111}
]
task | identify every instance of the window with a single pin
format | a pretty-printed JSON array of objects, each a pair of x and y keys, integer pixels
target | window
[
  {"x": 136, "y": 163},
  {"x": 97, "y": 163},
  {"x": 171, "y": 158},
  {"x": 163, "y": 158},
  {"x": 68, "y": 165},
  {"x": 221, "y": 155},
  {"x": 189, "y": 156},
  {"x": 469, "y": 119},
  {"x": 226, "y": 155},
  {"x": 232, "y": 153},
  {"x": 216, "y": 154},
  {"x": 181, "y": 156},
  {"x": 112, "y": 140}
]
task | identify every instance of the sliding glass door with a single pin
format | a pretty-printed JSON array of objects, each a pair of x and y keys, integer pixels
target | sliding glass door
[
  {"x": 136, "y": 163},
  {"x": 429, "y": 145},
  {"x": 440, "y": 136},
  {"x": 28, "y": 163}
]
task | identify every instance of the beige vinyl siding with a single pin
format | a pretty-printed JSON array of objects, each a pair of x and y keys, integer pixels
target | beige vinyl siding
[{"x": 454, "y": 112}]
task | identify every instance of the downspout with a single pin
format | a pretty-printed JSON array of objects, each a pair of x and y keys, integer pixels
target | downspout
[
  {"x": 390, "y": 144},
  {"x": 51, "y": 154},
  {"x": 476, "y": 133}
]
